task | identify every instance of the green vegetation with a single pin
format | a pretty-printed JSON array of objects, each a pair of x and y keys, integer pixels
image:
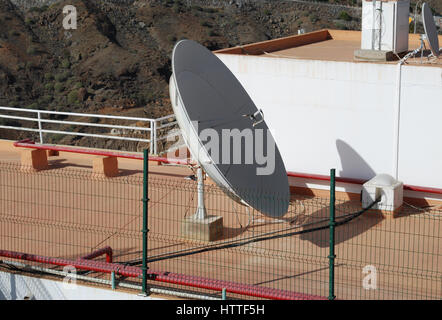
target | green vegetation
[
  {"x": 39, "y": 9},
  {"x": 343, "y": 15},
  {"x": 32, "y": 106},
  {"x": 66, "y": 63},
  {"x": 78, "y": 85},
  {"x": 341, "y": 26},
  {"x": 20, "y": 66},
  {"x": 55, "y": 137},
  {"x": 73, "y": 97},
  {"x": 62, "y": 77},
  {"x": 14, "y": 33},
  {"x": 58, "y": 87},
  {"x": 48, "y": 76},
  {"x": 197, "y": 8},
  {"x": 211, "y": 10},
  {"x": 12, "y": 104},
  {"x": 45, "y": 100},
  {"x": 314, "y": 18},
  {"x": 177, "y": 7},
  {"x": 32, "y": 50},
  {"x": 49, "y": 86},
  {"x": 9, "y": 122}
]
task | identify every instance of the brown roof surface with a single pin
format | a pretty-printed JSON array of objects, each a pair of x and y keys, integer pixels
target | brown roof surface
[
  {"x": 70, "y": 217},
  {"x": 332, "y": 45}
]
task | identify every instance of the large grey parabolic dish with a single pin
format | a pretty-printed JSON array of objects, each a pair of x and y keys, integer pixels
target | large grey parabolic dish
[
  {"x": 206, "y": 95},
  {"x": 430, "y": 29}
]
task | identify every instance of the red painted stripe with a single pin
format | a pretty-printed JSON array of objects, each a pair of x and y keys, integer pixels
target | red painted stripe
[
  {"x": 359, "y": 181},
  {"x": 168, "y": 277},
  {"x": 27, "y": 143}
]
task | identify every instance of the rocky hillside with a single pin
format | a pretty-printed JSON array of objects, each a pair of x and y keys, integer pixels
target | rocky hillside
[{"x": 117, "y": 61}]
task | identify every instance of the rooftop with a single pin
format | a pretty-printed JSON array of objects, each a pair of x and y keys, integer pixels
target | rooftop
[
  {"x": 329, "y": 45},
  {"x": 66, "y": 212}
]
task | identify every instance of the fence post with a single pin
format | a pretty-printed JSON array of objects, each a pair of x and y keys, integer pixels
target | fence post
[
  {"x": 153, "y": 137},
  {"x": 113, "y": 284},
  {"x": 224, "y": 294},
  {"x": 39, "y": 127},
  {"x": 331, "y": 257},
  {"x": 145, "y": 230}
]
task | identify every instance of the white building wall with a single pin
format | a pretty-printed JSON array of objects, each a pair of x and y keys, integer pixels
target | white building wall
[
  {"x": 328, "y": 114},
  {"x": 19, "y": 287}
]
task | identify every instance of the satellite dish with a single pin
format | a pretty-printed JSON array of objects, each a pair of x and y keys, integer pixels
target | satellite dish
[
  {"x": 430, "y": 29},
  {"x": 207, "y": 98}
]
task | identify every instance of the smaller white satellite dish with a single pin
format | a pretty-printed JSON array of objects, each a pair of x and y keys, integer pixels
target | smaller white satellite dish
[{"x": 430, "y": 29}]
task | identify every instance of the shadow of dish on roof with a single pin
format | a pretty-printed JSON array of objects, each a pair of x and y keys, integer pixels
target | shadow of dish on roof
[
  {"x": 343, "y": 232},
  {"x": 353, "y": 166}
]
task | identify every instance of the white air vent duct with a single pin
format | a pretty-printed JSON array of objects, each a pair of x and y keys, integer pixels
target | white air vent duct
[{"x": 385, "y": 188}]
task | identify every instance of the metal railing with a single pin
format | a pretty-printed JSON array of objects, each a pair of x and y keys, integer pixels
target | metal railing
[{"x": 155, "y": 131}]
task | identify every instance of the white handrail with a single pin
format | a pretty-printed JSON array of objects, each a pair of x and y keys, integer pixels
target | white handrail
[
  {"x": 76, "y": 114},
  {"x": 154, "y": 125},
  {"x": 76, "y": 123},
  {"x": 167, "y": 125},
  {"x": 75, "y": 133},
  {"x": 165, "y": 117}
]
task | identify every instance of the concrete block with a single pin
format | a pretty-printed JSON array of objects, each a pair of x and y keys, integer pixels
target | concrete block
[
  {"x": 34, "y": 158},
  {"x": 53, "y": 153},
  {"x": 374, "y": 55},
  {"x": 181, "y": 153},
  {"x": 107, "y": 166},
  {"x": 208, "y": 229},
  {"x": 155, "y": 163}
]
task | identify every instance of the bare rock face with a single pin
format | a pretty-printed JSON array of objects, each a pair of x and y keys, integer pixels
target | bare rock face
[{"x": 117, "y": 61}]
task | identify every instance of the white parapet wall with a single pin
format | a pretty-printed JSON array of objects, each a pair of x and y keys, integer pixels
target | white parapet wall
[
  {"x": 329, "y": 114},
  {"x": 19, "y": 287}
]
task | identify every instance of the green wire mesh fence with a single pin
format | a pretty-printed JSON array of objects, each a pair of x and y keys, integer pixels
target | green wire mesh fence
[{"x": 67, "y": 213}]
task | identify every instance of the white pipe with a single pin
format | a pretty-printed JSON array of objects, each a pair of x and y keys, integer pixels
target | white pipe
[
  {"x": 154, "y": 137},
  {"x": 380, "y": 25},
  {"x": 200, "y": 213},
  {"x": 373, "y": 26},
  {"x": 396, "y": 121},
  {"x": 397, "y": 111},
  {"x": 39, "y": 127}
]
